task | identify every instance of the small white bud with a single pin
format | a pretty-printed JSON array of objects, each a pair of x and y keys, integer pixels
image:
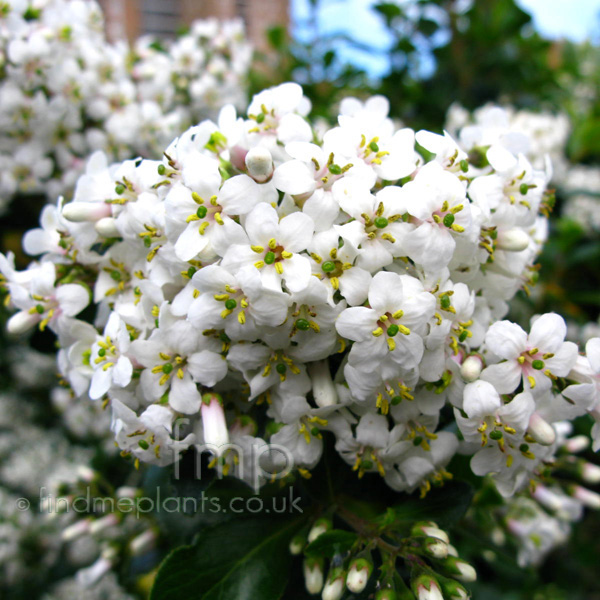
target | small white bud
[
  {"x": 471, "y": 368},
  {"x": 590, "y": 473},
  {"x": 84, "y": 473},
  {"x": 426, "y": 588},
  {"x": 577, "y": 443},
  {"x": 436, "y": 548},
  {"x": 297, "y": 544},
  {"x": 323, "y": 387},
  {"x": 319, "y": 528},
  {"x": 21, "y": 322},
  {"x": 107, "y": 227},
  {"x": 313, "y": 576},
  {"x": 259, "y": 163},
  {"x": 103, "y": 523},
  {"x": 587, "y": 497},
  {"x": 76, "y": 530},
  {"x": 81, "y": 212},
  {"x": 512, "y": 240},
  {"x": 467, "y": 572},
  {"x": 358, "y": 575},
  {"x": 541, "y": 431},
  {"x": 334, "y": 586},
  {"x": 430, "y": 529},
  {"x": 143, "y": 542},
  {"x": 214, "y": 425}
]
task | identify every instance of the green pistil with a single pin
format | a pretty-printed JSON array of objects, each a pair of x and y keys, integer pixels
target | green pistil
[
  {"x": 162, "y": 169},
  {"x": 328, "y": 266},
  {"x": 496, "y": 435},
  {"x": 201, "y": 212},
  {"x": 143, "y": 444},
  {"x": 120, "y": 189},
  {"x": 538, "y": 365},
  {"x": 448, "y": 220},
  {"x": 102, "y": 353},
  {"x": 260, "y": 118},
  {"x": 281, "y": 368},
  {"x": 374, "y": 147},
  {"x": 464, "y": 165},
  {"x": 445, "y": 301},
  {"x": 335, "y": 169},
  {"x": 270, "y": 258},
  {"x": 381, "y": 222},
  {"x": 302, "y": 325},
  {"x": 392, "y": 330},
  {"x": 167, "y": 368},
  {"x": 230, "y": 304},
  {"x": 524, "y": 188},
  {"x": 39, "y": 309},
  {"x": 396, "y": 400}
]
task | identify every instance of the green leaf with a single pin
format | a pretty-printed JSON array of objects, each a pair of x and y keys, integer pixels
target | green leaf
[
  {"x": 444, "y": 505},
  {"x": 236, "y": 560},
  {"x": 331, "y": 543}
]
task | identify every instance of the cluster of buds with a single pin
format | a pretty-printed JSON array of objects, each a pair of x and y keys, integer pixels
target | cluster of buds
[{"x": 374, "y": 560}]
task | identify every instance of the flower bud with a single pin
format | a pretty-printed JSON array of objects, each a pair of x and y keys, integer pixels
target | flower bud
[
  {"x": 334, "y": 586},
  {"x": 454, "y": 590},
  {"x": 387, "y": 594},
  {"x": 81, "y": 212},
  {"x": 577, "y": 443},
  {"x": 541, "y": 431},
  {"x": 297, "y": 544},
  {"x": 21, "y": 322},
  {"x": 313, "y": 575},
  {"x": 323, "y": 387},
  {"x": 103, "y": 523},
  {"x": 435, "y": 547},
  {"x": 259, "y": 163},
  {"x": 590, "y": 473},
  {"x": 320, "y": 527},
  {"x": 143, "y": 543},
  {"x": 471, "y": 368},
  {"x": 429, "y": 529},
  {"x": 76, "y": 530},
  {"x": 586, "y": 497},
  {"x": 460, "y": 569},
  {"x": 107, "y": 227},
  {"x": 512, "y": 240},
  {"x": 214, "y": 425},
  {"x": 358, "y": 575},
  {"x": 425, "y": 587}
]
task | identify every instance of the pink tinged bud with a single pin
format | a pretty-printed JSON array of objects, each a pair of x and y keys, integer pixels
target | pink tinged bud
[
  {"x": 319, "y": 528},
  {"x": 587, "y": 497},
  {"x": 103, "y": 523},
  {"x": 313, "y": 576},
  {"x": 454, "y": 590},
  {"x": 334, "y": 586},
  {"x": 259, "y": 163},
  {"x": 471, "y": 368},
  {"x": 22, "y": 321},
  {"x": 107, "y": 227},
  {"x": 358, "y": 575},
  {"x": 76, "y": 530},
  {"x": 143, "y": 543},
  {"x": 85, "y": 473},
  {"x": 435, "y": 548},
  {"x": 81, "y": 212},
  {"x": 214, "y": 425},
  {"x": 323, "y": 387},
  {"x": 512, "y": 240},
  {"x": 590, "y": 473},
  {"x": 541, "y": 431},
  {"x": 577, "y": 444},
  {"x": 237, "y": 156},
  {"x": 426, "y": 588}
]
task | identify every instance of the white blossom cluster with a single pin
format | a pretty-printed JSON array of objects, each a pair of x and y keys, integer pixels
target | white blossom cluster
[
  {"x": 261, "y": 284},
  {"x": 65, "y": 91}
]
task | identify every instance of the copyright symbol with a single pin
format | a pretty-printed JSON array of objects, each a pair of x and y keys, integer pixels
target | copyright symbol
[{"x": 23, "y": 504}]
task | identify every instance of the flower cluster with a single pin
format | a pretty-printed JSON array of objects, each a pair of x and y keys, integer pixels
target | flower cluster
[
  {"x": 262, "y": 284},
  {"x": 66, "y": 92}
]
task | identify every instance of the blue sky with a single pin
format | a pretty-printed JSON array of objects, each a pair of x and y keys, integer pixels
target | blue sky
[{"x": 572, "y": 19}]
